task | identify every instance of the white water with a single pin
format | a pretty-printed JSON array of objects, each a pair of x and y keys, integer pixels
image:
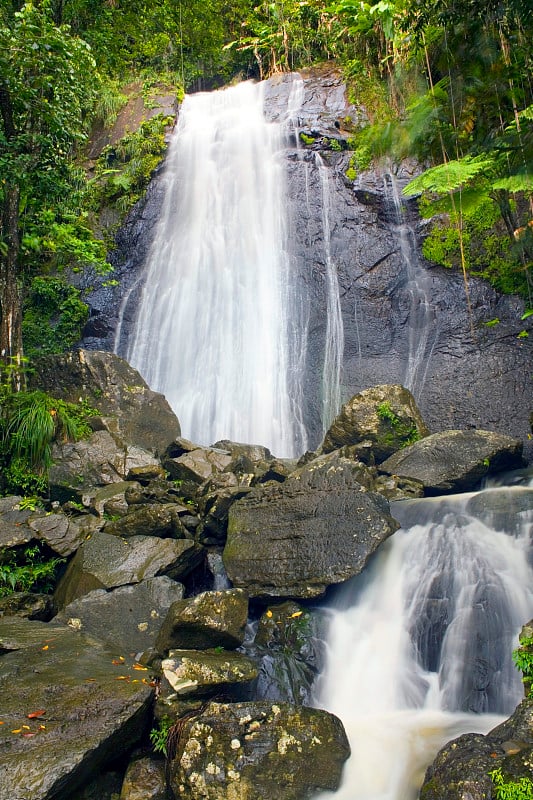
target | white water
[
  {"x": 421, "y": 334},
  {"x": 334, "y": 345},
  {"x": 424, "y": 639},
  {"x": 213, "y": 330}
]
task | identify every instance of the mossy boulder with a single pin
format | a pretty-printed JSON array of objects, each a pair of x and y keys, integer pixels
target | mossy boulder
[
  {"x": 211, "y": 619},
  {"x": 253, "y": 751},
  {"x": 381, "y": 420},
  {"x": 205, "y": 672}
]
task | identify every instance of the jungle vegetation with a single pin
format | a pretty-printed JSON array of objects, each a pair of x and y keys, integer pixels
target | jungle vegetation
[{"x": 448, "y": 83}]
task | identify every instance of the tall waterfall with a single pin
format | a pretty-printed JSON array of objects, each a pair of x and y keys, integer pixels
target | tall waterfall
[
  {"x": 420, "y": 645},
  {"x": 213, "y": 331}
]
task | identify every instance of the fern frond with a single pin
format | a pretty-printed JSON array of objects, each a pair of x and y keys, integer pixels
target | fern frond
[{"x": 450, "y": 176}]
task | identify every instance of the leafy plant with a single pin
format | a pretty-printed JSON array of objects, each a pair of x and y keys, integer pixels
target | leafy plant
[
  {"x": 159, "y": 735},
  {"x": 28, "y": 569},
  {"x": 521, "y": 789},
  {"x": 523, "y": 660},
  {"x": 54, "y": 316},
  {"x": 29, "y": 423}
]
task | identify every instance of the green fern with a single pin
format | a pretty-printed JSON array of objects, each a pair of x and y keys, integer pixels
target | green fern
[{"x": 450, "y": 176}]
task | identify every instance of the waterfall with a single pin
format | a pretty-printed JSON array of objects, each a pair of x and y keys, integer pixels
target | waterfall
[
  {"x": 421, "y": 334},
  {"x": 420, "y": 644},
  {"x": 213, "y": 331},
  {"x": 334, "y": 345}
]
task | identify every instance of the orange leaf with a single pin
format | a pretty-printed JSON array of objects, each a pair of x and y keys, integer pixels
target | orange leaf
[
  {"x": 140, "y": 667},
  {"x": 2, "y": 722},
  {"x": 117, "y": 661},
  {"x": 36, "y": 714},
  {"x": 122, "y": 678},
  {"x": 46, "y": 647}
]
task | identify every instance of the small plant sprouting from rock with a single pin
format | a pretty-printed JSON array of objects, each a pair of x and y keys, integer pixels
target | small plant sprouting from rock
[
  {"x": 406, "y": 431},
  {"x": 523, "y": 659},
  {"x": 159, "y": 735},
  {"x": 521, "y": 789},
  {"x": 29, "y": 569}
]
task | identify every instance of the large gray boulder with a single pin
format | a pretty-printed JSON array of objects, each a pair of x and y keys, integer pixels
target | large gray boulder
[
  {"x": 88, "y": 717},
  {"x": 317, "y": 528},
  {"x": 461, "y": 769},
  {"x": 134, "y": 413},
  {"x": 253, "y": 751},
  {"x": 383, "y": 419},
  {"x": 144, "y": 780},
  {"x": 105, "y": 562},
  {"x": 128, "y": 618},
  {"x": 455, "y": 461}
]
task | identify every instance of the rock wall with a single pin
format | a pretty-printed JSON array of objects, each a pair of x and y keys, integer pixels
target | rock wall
[{"x": 462, "y": 372}]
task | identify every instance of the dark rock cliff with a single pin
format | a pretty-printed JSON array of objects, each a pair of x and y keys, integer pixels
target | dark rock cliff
[{"x": 405, "y": 320}]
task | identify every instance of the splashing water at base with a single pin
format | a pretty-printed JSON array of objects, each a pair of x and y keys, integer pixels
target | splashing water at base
[{"x": 424, "y": 638}]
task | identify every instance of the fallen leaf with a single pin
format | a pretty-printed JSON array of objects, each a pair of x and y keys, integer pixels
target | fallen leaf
[
  {"x": 117, "y": 661},
  {"x": 90, "y": 680},
  {"x": 269, "y": 613},
  {"x": 26, "y": 727},
  {"x": 296, "y": 614},
  {"x": 46, "y": 647},
  {"x": 2, "y": 722},
  {"x": 36, "y": 714},
  {"x": 122, "y": 678},
  {"x": 18, "y": 730},
  {"x": 140, "y": 667},
  {"x": 28, "y": 735},
  {"x": 42, "y": 727}
]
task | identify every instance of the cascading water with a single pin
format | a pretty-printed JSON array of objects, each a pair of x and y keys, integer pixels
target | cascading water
[
  {"x": 213, "y": 331},
  {"x": 423, "y": 638},
  {"x": 422, "y": 334},
  {"x": 334, "y": 345}
]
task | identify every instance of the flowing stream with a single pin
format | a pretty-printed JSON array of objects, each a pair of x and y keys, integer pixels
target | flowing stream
[
  {"x": 213, "y": 331},
  {"x": 420, "y": 644}
]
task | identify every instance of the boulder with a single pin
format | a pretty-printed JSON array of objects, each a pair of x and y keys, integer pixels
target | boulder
[
  {"x": 144, "y": 780},
  {"x": 205, "y": 672},
  {"x": 105, "y": 562},
  {"x": 296, "y": 538},
  {"x": 80, "y": 466},
  {"x": 253, "y": 751},
  {"x": 154, "y": 519},
  {"x": 136, "y": 414},
  {"x": 64, "y": 534},
  {"x": 461, "y": 769},
  {"x": 127, "y": 619},
  {"x": 385, "y": 416},
  {"x": 14, "y": 531},
  {"x": 455, "y": 461},
  {"x": 82, "y": 717},
  {"x": 27, "y": 604},
  {"x": 197, "y": 466},
  {"x": 211, "y": 619}
]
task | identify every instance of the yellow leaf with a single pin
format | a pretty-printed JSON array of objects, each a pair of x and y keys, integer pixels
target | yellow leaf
[
  {"x": 296, "y": 614},
  {"x": 18, "y": 730},
  {"x": 269, "y": 613},
  {"x": 140, "y": 667}
]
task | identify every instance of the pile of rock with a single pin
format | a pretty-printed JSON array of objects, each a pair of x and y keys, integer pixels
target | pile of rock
[{"x": 172, "y": 549}]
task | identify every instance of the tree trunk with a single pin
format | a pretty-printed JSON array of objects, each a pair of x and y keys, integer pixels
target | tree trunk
[{"x": 10, "y": 300}]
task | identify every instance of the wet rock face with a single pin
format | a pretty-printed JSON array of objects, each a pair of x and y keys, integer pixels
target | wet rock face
[{"x": 251, "y": 751}]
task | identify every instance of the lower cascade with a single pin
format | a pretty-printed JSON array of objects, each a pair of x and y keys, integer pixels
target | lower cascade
[{"x": 420, "y": 644}]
